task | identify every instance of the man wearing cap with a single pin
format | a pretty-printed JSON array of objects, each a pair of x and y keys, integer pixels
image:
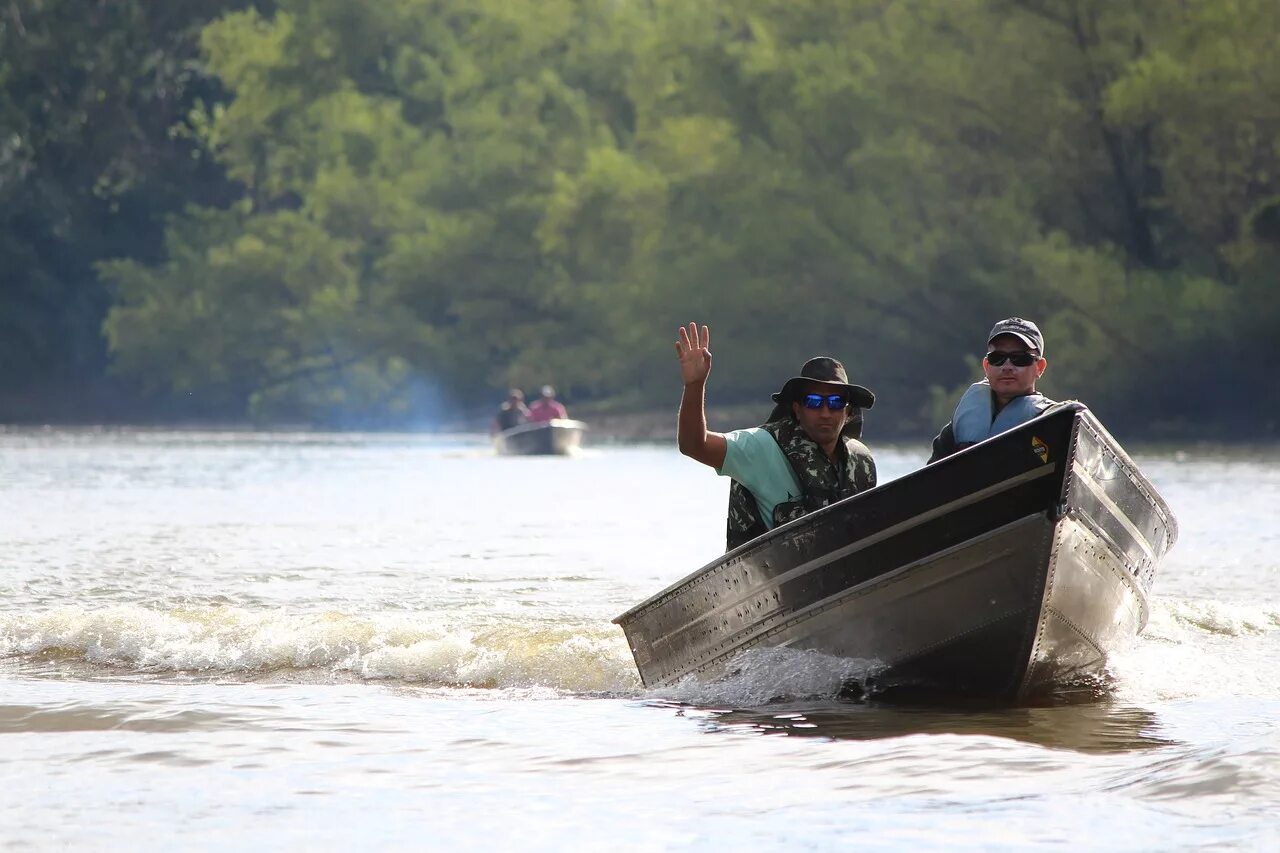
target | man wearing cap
[
  {"x": 805, "y": 457},
  {"x": 1007, "y": 396},
  {"x": 547, "y": 407}
]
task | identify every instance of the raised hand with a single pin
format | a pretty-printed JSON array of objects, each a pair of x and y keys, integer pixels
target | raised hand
[{"x": 694, "y": 351}]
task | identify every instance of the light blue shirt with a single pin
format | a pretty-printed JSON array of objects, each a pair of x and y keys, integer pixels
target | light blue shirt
[{"x": 755, "y": 460}]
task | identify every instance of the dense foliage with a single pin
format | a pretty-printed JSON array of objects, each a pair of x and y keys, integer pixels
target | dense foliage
[
  {"x": 93, "y": 96},
  {"x": 438, "y": 198}
]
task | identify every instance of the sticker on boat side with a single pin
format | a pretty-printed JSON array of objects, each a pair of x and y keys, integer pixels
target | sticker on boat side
[{"x": 1039, "y": 448}]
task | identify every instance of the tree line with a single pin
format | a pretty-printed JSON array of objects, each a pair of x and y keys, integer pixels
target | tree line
[{"x": 371, "y": 213}]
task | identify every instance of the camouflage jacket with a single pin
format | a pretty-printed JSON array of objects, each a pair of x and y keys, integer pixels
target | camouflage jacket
[{"x": 822, "y": 482}]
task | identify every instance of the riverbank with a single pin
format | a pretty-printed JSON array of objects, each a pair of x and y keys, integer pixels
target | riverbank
[
  {"x": 608, "y": 426},
  {"x": 660, "y": 425}
]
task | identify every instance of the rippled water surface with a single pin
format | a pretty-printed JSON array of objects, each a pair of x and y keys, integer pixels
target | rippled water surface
[{"x": 220, "y": 640}]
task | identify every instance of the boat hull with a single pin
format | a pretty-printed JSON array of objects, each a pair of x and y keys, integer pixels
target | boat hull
[
  {"x": 559, "y": 437},
  {"x": 999, "y": 572}
]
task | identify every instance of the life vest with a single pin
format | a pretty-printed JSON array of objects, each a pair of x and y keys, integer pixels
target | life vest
[
  {"x": 821, "y": 481},
  {"x": 973, "y": 421}
]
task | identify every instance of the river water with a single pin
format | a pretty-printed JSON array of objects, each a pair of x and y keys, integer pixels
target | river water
[{"x": 221, "y": 640}]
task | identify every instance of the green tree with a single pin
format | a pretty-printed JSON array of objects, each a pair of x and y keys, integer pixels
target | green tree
[
  {"x": 546, "y": 190},
  {"x": 90, "y": 96}
]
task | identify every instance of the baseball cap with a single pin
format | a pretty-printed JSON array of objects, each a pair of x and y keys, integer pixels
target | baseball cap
[{"x": 1024, "y": 330}]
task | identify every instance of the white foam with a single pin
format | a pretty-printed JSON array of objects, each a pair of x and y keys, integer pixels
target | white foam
[
  {"x": 1233, "y": 619},
  {"x": 1191, "y": 648},
  {"x": 430, "y": 648},
  {"x": 761, "y": 676},
  {"x": 1202, "y": 648}
]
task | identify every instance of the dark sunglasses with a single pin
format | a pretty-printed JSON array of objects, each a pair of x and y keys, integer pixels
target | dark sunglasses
[
  {"x": 835, "y": 402},
  {"x": 1019, "y": 359}
]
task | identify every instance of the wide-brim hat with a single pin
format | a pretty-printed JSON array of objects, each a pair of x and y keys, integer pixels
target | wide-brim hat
[{"x": 828, "y": 371}]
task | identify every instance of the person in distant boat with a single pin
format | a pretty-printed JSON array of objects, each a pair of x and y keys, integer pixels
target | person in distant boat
[
  {"x": 511, "y": 413},
  {"x": 806, "y": 456},
  {"x": 547, "y": 407},
  {"x": 1007, "y": 396}
]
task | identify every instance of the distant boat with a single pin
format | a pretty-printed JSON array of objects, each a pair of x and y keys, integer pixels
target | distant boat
[
  {"x": 559, "y": 436},
  {"x": 1009, "y": 570}
]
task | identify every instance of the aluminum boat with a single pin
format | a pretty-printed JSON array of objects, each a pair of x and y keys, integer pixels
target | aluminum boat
[
  {"x": 559, "y": 436},
  {"x": 1010, "y": 569}
]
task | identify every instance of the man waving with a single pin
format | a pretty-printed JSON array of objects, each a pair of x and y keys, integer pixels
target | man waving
[{"x": 803, "y": 458}]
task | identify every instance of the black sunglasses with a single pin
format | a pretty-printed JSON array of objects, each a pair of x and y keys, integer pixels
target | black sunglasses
[
  {"x": 835, "y": 402},
  {"x": 995, "y": 358}
]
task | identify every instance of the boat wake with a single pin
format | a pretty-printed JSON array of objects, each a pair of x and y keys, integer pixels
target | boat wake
[
  {"x": 765, "y": 676},
  {"x": 227, "y": 642},
  {"x": 1175, "y": 619},
  {"x": 1190, "y": 648},
  {"x": 1197, "y": 648}
]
